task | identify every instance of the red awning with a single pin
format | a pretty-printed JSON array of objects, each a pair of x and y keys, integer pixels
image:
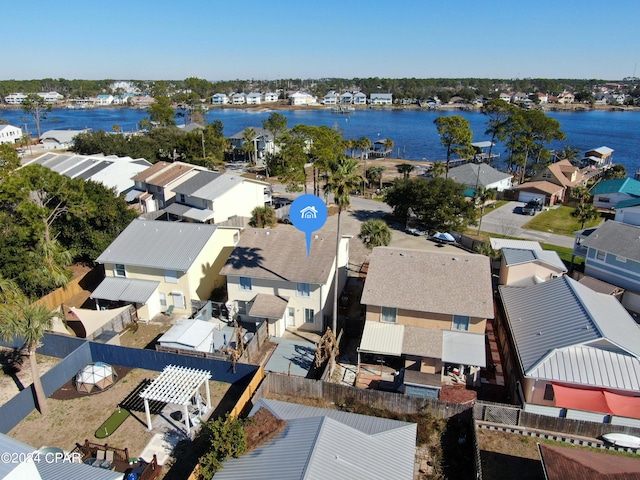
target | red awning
[{"x": 596, "y": 401}]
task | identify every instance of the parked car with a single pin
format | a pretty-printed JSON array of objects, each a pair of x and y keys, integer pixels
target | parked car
[{"x": 534, "y": 205}]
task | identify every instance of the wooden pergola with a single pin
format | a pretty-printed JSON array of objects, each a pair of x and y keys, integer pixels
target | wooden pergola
[{"x": 176, "y": 385}]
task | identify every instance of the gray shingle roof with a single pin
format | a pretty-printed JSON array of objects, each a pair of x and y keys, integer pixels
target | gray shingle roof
[
  {"x": 280, "y": 254},
  {"x": 467, "y": 174},
  {"x": 157, "y": 244},
  {"x": 562, "y": 313},
  {"x": 517, "y": 256},
  {"x": 617, "y": 238},
  {"x": 456, "y": 284},
  {"x": 319, "y": 444}
]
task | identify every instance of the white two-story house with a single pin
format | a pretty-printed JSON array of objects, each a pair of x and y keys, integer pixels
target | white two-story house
[
  {"x": 270, "y": 277},
  {"x": 212, "y": 197}
]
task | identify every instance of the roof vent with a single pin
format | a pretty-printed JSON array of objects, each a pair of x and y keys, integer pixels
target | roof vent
[
  {"x": 455, "y": 259},
  {"x": 267, "y": 232},
  {"x": 402, "y": 254},
  {"x": 539, "y": 333}
]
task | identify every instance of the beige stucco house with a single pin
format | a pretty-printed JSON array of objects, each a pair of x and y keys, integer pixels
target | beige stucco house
[
  {"x": 428, "y": 308},
  {"x": 157, "y": 265},
  {"x": 270, "y": 277},
  {"x": 527, "y": 267}
]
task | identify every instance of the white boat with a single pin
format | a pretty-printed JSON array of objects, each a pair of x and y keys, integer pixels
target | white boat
[{"x": 622, "y": 440}]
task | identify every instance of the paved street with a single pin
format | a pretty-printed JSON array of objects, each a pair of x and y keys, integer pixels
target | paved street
[{"x": 508, "y": 220}]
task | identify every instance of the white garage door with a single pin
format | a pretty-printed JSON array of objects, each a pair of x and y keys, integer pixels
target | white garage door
[
  {"x": 526, "y": 196},
  {"x": 632, "y": 218}
]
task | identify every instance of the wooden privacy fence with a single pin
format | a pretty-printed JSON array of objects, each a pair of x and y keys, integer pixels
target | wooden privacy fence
[
  {"x": 252, "y": 349},
  {"x": 76, "y": 285},
  {"x": 511, "y": 415},
  {"x": 340, "y": 394}
]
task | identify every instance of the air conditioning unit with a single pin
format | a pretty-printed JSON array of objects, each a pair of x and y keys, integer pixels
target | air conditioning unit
[{"x": 555, "y": 275}]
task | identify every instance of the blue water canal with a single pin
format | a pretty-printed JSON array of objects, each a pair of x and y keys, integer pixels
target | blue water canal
[{"x": 414, "y": 135}]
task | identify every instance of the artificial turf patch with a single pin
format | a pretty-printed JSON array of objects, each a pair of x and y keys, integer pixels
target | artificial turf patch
[{"x": 112, "y": 423}]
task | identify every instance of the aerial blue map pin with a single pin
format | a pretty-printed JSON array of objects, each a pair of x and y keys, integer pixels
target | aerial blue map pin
[{"x": 308, "y": 214}]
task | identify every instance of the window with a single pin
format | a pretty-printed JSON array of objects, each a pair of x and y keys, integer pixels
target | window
[
  {"x": 182, "y": 199},
  {"x": 170, "y": 276},
  {"x": 621, "y": 259},
  {"x": 245, "y": 283},
  {"x": 603, "y": 199},
  {"x": 303, "y": 290},
  {"x": 119, "y": 270},
  {"x": 309, "y": 315},
  {"x": 460, "y": 322},
  {"x": 389, "y": 314},
  {"x": 163, "y": 301},
  {"x": 600, "y": 255},
  {"x": 548, "y": 392}
]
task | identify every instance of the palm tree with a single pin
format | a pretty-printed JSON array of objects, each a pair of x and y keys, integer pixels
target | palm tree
[
  {"x": 585, "y": 212},
  {"x": 388, "y": 145},
  {"x": 375, "y": 233},
  {"x": 481, "y": 196},
  {"x": 249, "y": 147},
  {"x": 375, "y": 174},
  {"x": 364, "y": 144},
  {"x": 438, "y": 169},
  {"x": 29, "y": 322},
  {"x": 580, "y": 193},
  {"x": 342, "y": 180},
  {"x": 405, "y": 169}
]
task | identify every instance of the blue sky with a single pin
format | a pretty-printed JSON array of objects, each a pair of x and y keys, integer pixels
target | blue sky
[{"x": 223, "y": 39}]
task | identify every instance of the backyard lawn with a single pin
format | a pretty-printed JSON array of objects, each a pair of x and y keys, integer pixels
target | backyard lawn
[{"x": 559, "y": 221}]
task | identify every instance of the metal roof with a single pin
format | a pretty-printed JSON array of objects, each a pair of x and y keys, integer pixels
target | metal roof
[
  {"x": 210, "y": 185},
  {"x": 188, "y": 333},
  {"x": 382, "y": 338},
  {"x": 500, "y": 243},
  {"x": 425, "y": 281},
  {"x": 319, "y": 444},
  {"x": 589, "y": 365},
  {"x": 517, "y": 256},
  {"x": 157, "y": 244},
  {"x": 617, "y": 238},
  {"x": 562, "y": 313},
  {"x": 627, "y": 185},
  {"x": 11, "y": 446},
  {"x": 125, "y": 289},
  {"x": 463, "y": 348},
  {"x": 74, "y": 471},
  {"x": 187, "y": 211}
]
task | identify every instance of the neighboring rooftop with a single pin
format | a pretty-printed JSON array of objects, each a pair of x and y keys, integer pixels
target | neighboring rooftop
[
  {"x": 280, "y": 254},
  {"x": 588, "y": 317},
  {"x": 467, "y": 174},
  {"x": 618, "y": 238},
  {"x": 450, "y": 283},
  {"x": 518, "y": 256},
  {"x": 321, "y": 443},
  {"x": 566, "y": 463},
  {"x": 617, "y": 185},
  {"x": 500, "y": 243},
  {"x": 157, "y": 244},
  {"x": 211, "y": 185}
]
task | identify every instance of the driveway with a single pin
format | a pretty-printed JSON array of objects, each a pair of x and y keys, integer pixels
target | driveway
[{"x": 508, "y": 220}]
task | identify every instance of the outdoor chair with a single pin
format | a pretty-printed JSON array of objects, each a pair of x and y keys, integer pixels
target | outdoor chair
[
  {"x": 108, "y": 460},
  {"x": 100, "y": 458}
]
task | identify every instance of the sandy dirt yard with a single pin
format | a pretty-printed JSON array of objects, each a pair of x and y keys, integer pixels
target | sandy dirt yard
[
  {"x": 74, "y": 420},
  {"x": 14, "y": 376}
]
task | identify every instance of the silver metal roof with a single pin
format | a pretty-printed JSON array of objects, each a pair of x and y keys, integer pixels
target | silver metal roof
[
  {"x": 157, "y": 244},
  {"x": 9, "y": 445},
  {"x": 549, "y": 257},
  {"x": 500, "y": 243},
  {"x": 588, "y": 365},
  {"x": 187, "y": 211},
  {"x": 562, "y": 313},
  {"x": 383, "y": 338},
  {"x": 125, "y": 290},
  {"x": 617, "y": 238},
  {"x": 319, "y": 444},
  {"x": 189, "y": 333},
  {"x": 463, "y": 348},
  {"x": 74, "y": 471}
]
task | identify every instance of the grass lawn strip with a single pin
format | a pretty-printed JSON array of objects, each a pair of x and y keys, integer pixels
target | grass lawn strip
[
  {"x": 112, "y": 423},
  {"x": 558, "y": 221}
]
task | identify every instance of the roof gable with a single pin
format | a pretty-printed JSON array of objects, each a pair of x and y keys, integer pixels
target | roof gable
[
  {"x": 617, "y": 238},
  {"x": 157, "y": 244},
  {"x": 429, "y": 282},
  {"x": 280, "y": 254}
]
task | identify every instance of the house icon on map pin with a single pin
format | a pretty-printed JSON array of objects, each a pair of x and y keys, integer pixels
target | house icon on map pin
[{"x": 308, "y": 212}]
